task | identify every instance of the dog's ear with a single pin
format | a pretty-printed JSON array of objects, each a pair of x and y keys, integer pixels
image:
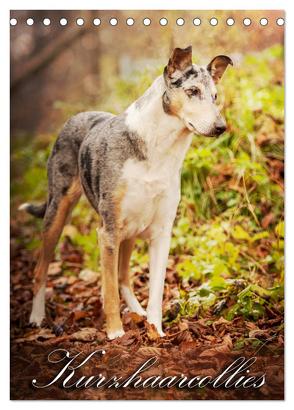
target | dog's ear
[
  {"x": 180, "y": 59},
  {"x": 218, "y": 66}
]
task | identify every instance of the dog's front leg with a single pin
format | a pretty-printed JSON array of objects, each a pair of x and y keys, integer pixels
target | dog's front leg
[{"x": 158, "y": 255}]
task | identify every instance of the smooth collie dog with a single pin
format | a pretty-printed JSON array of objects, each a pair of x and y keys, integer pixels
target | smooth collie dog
[{"x": 129, "y": 167}]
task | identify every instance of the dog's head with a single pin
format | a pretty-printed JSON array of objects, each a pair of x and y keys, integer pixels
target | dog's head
[{"x": 191, "y": 92}]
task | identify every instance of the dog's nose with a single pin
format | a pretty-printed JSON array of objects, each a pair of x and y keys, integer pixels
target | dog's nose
[{"x": 220, "y": 127}]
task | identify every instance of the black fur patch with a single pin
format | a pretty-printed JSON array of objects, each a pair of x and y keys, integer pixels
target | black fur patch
[
  {"x": 135, "y": 144},
  {"x": 178, "y": 83},
  {"x": 166, "y": 104},
  {"x": 190, "y": 73},
  {"x": 37, "y": 210},
  {"x": 64, "y": 190},
  {"x": 86, "y": 162},
  {"x": 97, "y": 180},
  {"x": 97, "y": 120},
  {"x": 56, "y": 147},
  {"x": 110, "y": 250},
  {"x": 103, "y": 147},
  {"x": 65, "y": 170}
]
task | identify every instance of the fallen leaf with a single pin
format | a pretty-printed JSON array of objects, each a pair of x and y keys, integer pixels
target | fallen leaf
[
  {"x": 259, "y": 334},
  {"x": 267, "y": 220},
  {"x": 136, "y": 318},
  {"x": 88, "y": 275},
  {"x": 129, "y": 338},
  {"x": 149, "y": 351},
  {"x": 221, "y": 321},
  {"x": 71, "y": 279},
  {"x": 70, "y": 231},
  {"x": 80, "y": 314},
  {"x": 37, "y": 335},
  {"x": 54, "y": 268},
  {"x": 183, "y": 326},
  {"x": 100, "y": 337},
  {"x": 224, "y": 347},
  {"x": 87, "y": 334},
  {"x": 60, "y": 282},
  {"x": 151, "y": 331}
]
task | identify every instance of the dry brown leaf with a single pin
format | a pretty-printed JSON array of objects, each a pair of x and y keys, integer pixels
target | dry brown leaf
[
  {"x": 37, "y": 335},
  {"x": 267, "y": 220},
  {"x": 88, "y": 275},
  {"x": 251, "y": 325},
  {"x": 87, "y": 334},
  {"x": 149, "y": 351},
  {"x": 183, "y": 326},
  {"x": 71, "y": 279},
  {"x": 100, "y": 337},
  {"x": 136, "y": 318},
  {"x": 151, "y": 331},
  {"x": 260, "y": 334},
  {"x": 225, "y": 347},
  {"x": 55, "y": 268},
  {"x": 70, "y": 230},
  {"x": 129, "y": 338},
  {"x": 221, "y": 322},
  {"x": 80, "y": 314}
]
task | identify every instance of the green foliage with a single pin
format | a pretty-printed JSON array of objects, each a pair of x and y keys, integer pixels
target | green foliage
[
  {"x": 229, "y": 298},
  {"x": 29, "y": 174}
]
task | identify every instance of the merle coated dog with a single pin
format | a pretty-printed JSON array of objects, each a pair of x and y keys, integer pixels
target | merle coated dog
[{"x": 129, "y": 167}]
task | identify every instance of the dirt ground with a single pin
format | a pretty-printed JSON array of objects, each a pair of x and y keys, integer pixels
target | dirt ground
[{"x": 193, "y": 347}]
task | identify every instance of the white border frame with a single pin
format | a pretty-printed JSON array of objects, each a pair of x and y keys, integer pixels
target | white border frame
[{"x": 4, "y": 175}]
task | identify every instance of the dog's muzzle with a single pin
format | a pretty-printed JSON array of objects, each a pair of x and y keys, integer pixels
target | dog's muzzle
[{"x": 219, "y": 127}]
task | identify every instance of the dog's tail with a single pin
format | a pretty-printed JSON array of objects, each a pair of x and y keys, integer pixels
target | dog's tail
[{"x": 35, "y": 210}]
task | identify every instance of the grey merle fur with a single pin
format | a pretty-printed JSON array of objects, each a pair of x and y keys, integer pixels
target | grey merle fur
[
  {"x": 93, "y": 146},
  {"x": 177, "y": 81}
]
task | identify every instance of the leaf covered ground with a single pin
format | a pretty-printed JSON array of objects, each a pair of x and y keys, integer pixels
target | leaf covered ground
[{"x": 224, "y": 285}]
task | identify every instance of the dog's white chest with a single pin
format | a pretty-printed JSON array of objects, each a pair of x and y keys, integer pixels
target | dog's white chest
[{"x": 147, "y": 187}]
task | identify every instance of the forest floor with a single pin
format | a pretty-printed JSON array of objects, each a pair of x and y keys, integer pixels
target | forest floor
[{"x": 193, "y": 346}]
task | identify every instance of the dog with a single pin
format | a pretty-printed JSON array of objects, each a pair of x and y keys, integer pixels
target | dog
[{"x": 129, "y": 167}]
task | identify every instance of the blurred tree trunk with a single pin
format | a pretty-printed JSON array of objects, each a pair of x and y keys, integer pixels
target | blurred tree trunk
[
  {"x": 48, "y": 64},
  {"x": 46, "y": 55}
]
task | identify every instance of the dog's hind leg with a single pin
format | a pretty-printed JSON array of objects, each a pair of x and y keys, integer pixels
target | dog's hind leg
[
  {"x": 109, "y": 249},
  {"x": 58, "y": 209},
  {"x": 127, "y": 292}
]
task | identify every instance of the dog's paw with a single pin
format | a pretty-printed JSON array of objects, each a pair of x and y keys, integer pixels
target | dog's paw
[
  {"x": 160, "y": 332},
  {"x": 36, "y": 319},
  {"x": 157, "y": 326},
  {"x": 115, "y": 334}
]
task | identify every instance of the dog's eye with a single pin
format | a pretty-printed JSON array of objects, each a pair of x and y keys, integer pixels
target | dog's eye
[
  {"x": 193, "y": 91},
  {"x": 214, "y": 97}
]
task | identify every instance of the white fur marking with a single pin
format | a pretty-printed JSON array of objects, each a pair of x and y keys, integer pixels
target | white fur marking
[
  {"x": 38, "y": 310},
  {"x": 131, "y": 301},
  {"x": 149, "y": 182},
  {"x": 115, "y": 334},
  {"x": 158, "y": 251},
  {"x": 23, "y": 207}
]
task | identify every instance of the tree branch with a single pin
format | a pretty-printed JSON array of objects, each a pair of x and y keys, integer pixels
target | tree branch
[{"x": 45, "y": 56}]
